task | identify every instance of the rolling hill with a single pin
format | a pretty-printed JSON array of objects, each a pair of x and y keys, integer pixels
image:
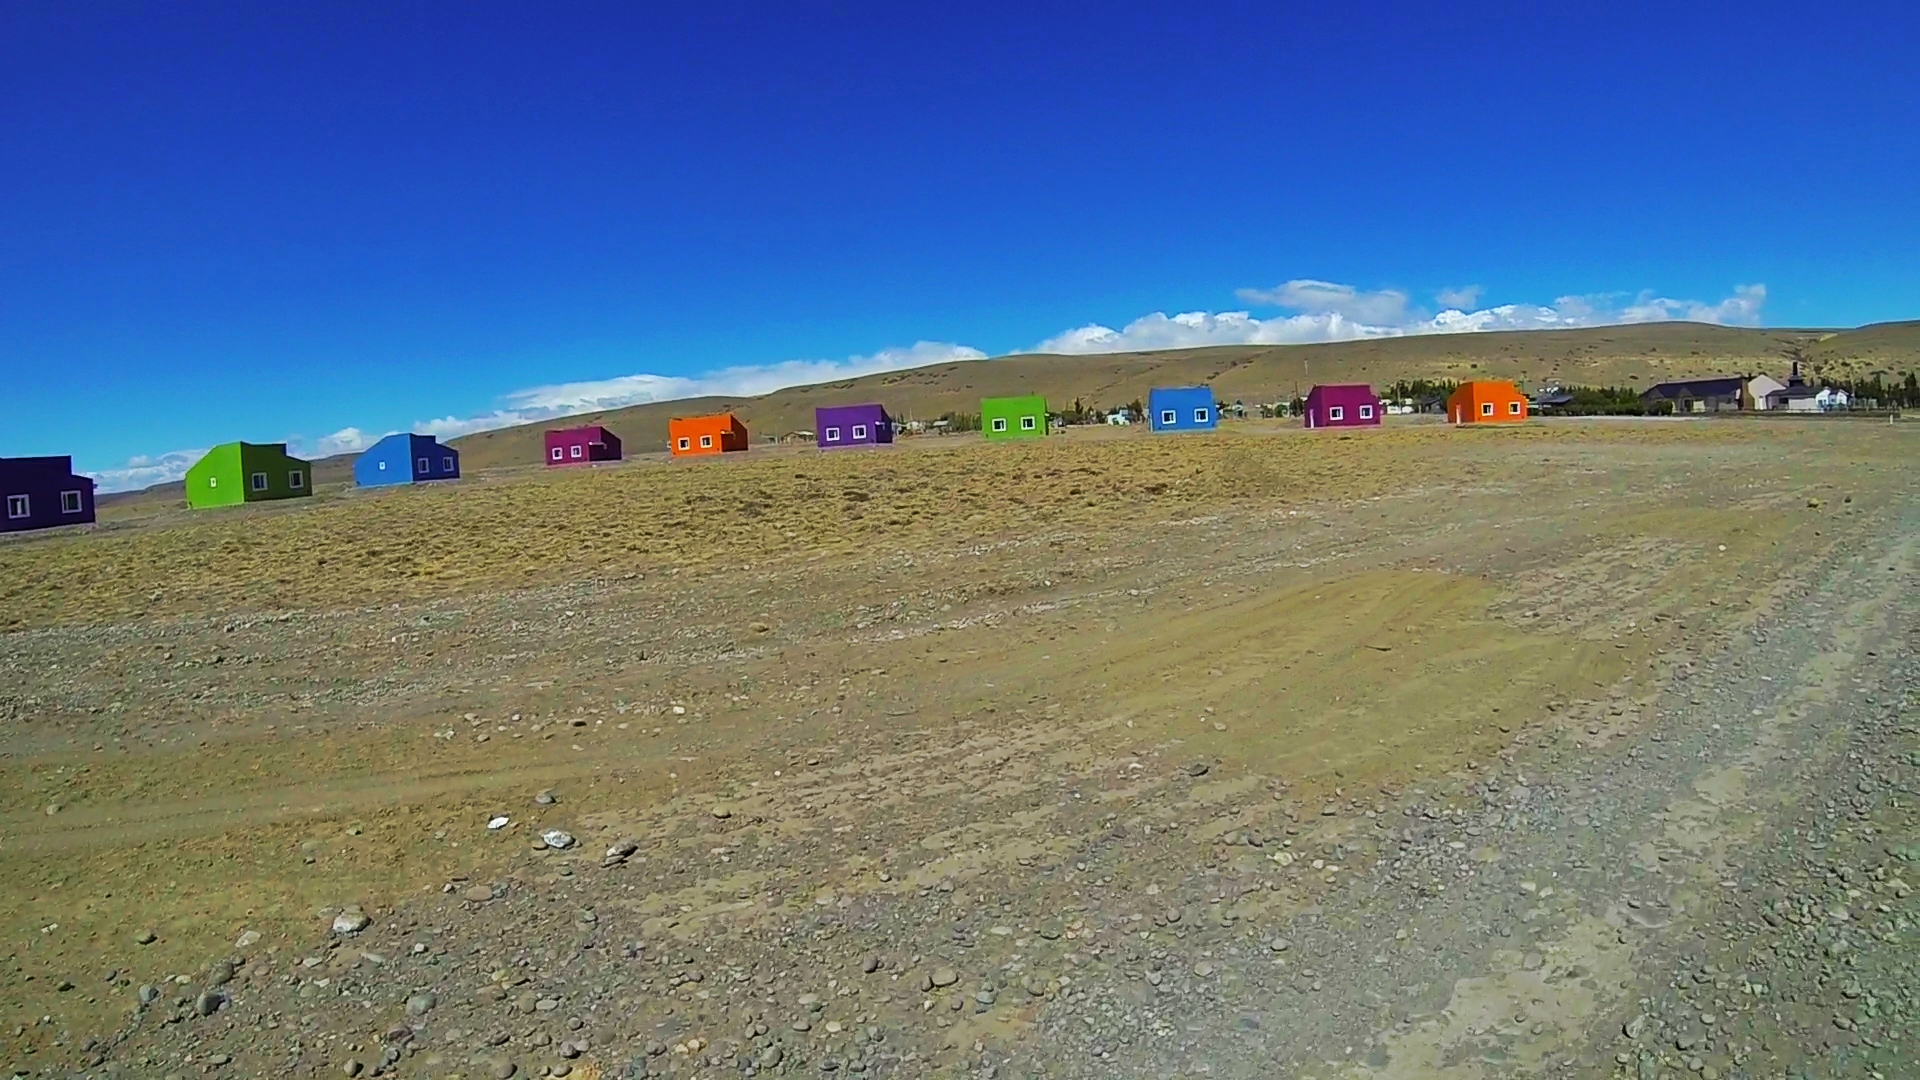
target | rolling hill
[{"x": 1639, "y": 355}]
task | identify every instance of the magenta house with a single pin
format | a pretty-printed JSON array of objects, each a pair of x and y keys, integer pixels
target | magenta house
[
  {"x": 43, "y": 493},
  {"x": 852, "y": 425},
  {"x": 1342, "y": 405},
  {"x": 582, "y": 445}
]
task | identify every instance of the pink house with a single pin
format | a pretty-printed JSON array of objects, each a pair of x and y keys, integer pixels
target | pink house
[
  {"x": 582, "y": 445},
  {"x": 1342, "y": 405}
]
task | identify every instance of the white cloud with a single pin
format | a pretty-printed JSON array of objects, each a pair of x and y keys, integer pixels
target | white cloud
[
  {"x": 571, "y": 399},
  {"x": 1463, "y": 297},
  {"x": 1324, "y": 311},
  {"x": 1383, "y": 306},
  {"x": 345, "y": 441},
  {"x": 145, "y": 471}
]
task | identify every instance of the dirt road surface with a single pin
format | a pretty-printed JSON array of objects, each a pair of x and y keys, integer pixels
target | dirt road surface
[{"x": 1586, "y": 749}]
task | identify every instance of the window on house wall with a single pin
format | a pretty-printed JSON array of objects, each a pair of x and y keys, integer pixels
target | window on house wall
[
  {"x": 19, "y": 506},
  {"x": 558, "y": 454},
  {"x": 1168, "y": 416},
  {"x": 1513, "y": 407},
  {"x": 1486, "y": 408},
  {"x": 833, "y": 434},
  {"x": 446, "y": 463},
  {"x": 1336, "y": 412},
  {"x": 684, "y": 443},
  {"x": 69, "y": 502},
  {"x": 706, "y": 442},
  {"x": 423, "y": 465},
  {"x": 574, "y": 450},
  {"x": 1199, "y": 416},
  {"x": 999, "y": 423},
  {"x": 859, "y": 431},
  {"x": 382, "y": 465},
  {"x": 1366, "y": 412},
  {"x": 213, "y": 481},
  {"x": 259, "y": 481},
  {"x": 1027, "y": 423},
  {"x": 296, "y": 479}
]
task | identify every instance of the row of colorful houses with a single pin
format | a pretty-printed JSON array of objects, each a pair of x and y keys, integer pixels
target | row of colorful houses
[{"x": 45, "y": 492}]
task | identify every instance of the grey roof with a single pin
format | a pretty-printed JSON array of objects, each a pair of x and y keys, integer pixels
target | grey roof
[{"x": 1697, "y": 388}]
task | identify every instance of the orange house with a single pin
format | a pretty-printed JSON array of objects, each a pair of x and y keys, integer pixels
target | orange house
[
  {"x": 1486, "y": 401},
  {"x": 719, "y": 434}
]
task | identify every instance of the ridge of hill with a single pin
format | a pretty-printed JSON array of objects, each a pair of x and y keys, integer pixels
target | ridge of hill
[{"x": 1635, "y": 355}]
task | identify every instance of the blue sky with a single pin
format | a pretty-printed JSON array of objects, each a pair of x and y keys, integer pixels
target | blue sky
[{"x": 325, "y": 222}]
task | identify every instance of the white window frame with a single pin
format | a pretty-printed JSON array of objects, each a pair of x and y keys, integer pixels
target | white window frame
[
  {"x": 296, "y": 480},
  {"x": 77, "y": 502},
  {"x": 1199, "y": 416},
  {"x": 425, "y": 464},
  {"x": 446, "y": 463},
  {"x": 382, "y": 465},
  {"x": 258, "y": 481},
  {"x": 1513, "y": 408},
  {"x": 1027, "y": 423},
  {"x": 1336, "y": 412},
  {"x": 684, "y": 443},
  {"x": 19, "y": 507},
  {"x": 1366, "y": 412},
  {"x": 999, "y": 423},
  {"x": 1486, "y": 408},
  {"x": 706, "y": 442},
  {"x": 575, "y": 450},
  {"x": 213, "y": 481},
  {"x": 559, "y": 453},
  {"x": 859, "y": 431},
  {"x": 833, "y": 434},
  {"x": 1169, "y": 416}
]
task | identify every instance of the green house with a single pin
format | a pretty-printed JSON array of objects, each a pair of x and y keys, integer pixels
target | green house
[
  {"x": 1014, "y": 417},
  {"x": 239, "y": 472}
]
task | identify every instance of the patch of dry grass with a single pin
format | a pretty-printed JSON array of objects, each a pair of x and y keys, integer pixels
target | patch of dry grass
[{"x": 539, "y": 527}]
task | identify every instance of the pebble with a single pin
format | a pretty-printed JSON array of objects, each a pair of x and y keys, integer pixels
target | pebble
[
  {"x": 504, "y": 1070},
  {"x": 352, "y": 1067},
  {"x": 871, "y": 964},
  {"x": 944, "y": 977},
  {"x": 558, "y": 839},
  {"x": 1279, "y": 944},
  {"x": 721, "y": 812},
  {"x": 421, "y": 1004},
  {"x": 209, "y": 1002},
  {"x": 147, "y": 937},
  {"x": 1202, "y": 969},
  {"x": 350, "y": 921},
  {"x": 545, "y": 798}
]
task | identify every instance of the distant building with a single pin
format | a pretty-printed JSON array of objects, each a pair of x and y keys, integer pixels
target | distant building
[
  {"x": 403, "y": 458},
  {"x": 582, "y": 445},
  {"x": 1831, "y": 400},
  {"x": 1022, "y": 417},
  {"x": 1182, "y": 408},
  {"x": 1342, "y": 405},
  {"x": 721, "y": 433},
  {"x": 1485, "y": 401},
  {"x": 1696, "y": 395},
  {"x": 1755, "y": 391},
  {"x": 1549, "y": 399},
  {"x": 853, "y": 425},
  {"x": 1119, "y": 418},
  {"x": 43, "y": 493},
  {"x": 1796, "y": 396},
  {"x": 243, "y": 472}
]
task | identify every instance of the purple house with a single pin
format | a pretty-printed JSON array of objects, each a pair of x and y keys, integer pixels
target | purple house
[
  {"x": 43, "y": 493},
  {"x": 852, "y": 425},
  {"x": 1342, "y": 405}
]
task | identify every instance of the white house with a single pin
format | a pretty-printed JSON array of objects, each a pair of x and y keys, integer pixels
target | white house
[
  {"x": 1119, "y": 418},
  {"x": 1754, "y": 394},
  {"x": 1830, "y": 400}
]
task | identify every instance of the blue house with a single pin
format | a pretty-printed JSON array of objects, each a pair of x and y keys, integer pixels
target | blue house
[
  {"x": 406, "y": 459},
  {"x": 1182, "y": 408}
]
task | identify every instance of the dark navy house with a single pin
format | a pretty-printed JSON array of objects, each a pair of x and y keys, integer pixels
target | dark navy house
[
  {"x": 43, "y": 493},
  {"x": 406, "y": 459}
]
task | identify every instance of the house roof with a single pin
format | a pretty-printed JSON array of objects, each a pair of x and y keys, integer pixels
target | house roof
[{"x": 1721, "y": 387}]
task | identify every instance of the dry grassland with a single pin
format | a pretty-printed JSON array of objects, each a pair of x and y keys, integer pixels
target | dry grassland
[{"x": 371, "y": 547}]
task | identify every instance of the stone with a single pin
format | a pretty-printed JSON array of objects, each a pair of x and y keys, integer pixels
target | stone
[
  {"x": 147, "y": 937},
  {"x": 545, "y": 798},
  {"x": 209, "y": 1002},
  {"x": 870, "y": 965},
  {"x": 218, "y": 1059},
  {"x": 557, "y": 839},
  {"x": 944, "y": 976},
  {"x": 1199, "y": 768},
  {"x": 771, "y": 1056},
  {"x": 421, "y": 1004},
  {"x": 352, "y": 1067},
  {"x": 1202, "y": 969},
  {"x": 504, "y": 1070},
  {"x": 1279, "y": 944},
  {"x": 351, "y": 921},
  {"x": 722, "y": 812}
]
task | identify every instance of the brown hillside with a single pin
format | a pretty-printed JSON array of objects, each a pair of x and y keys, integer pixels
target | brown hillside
[{"x": 1608, "y": 356}]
